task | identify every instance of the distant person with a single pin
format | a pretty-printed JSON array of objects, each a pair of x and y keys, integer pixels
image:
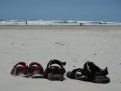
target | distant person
[{"x": 26, "y": 22}]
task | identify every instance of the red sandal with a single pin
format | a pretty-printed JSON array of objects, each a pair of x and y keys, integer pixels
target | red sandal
[
  {"x": 20, "y": 69},
  {"x": 35, "y": 70}
]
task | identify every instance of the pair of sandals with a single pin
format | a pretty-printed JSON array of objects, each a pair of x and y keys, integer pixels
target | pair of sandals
[
  {"x": 89, "y": 73},
  {"x": 34, "y": 70},
  {"x": 53, "y": 71}
]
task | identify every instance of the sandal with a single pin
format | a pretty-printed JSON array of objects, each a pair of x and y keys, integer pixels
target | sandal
[
  {"x": 35, "y": 70},
  {"x": 55, "y": 72},
  {"x": 20, "y": 69}
]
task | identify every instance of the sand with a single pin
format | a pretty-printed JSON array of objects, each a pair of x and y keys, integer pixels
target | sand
[{"x": 73, "y": 44}]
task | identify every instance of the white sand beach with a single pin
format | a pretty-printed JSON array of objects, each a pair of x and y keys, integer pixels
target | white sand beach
[{"x": 73, "y": 44}]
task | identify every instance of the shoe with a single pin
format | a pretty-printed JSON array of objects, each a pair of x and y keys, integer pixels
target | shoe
[
  {"x": 90, "y": 69},
  {"x": 20, "y": 69},
  {"x": 97, "y": 74},
  {"x": 77, "y": 74},
  {"x": 35, "y": 70},
  {"x": 55, "y": 72}
]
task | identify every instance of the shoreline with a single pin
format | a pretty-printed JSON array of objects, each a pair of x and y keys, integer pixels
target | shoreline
[{"x": 61, "y": 27}]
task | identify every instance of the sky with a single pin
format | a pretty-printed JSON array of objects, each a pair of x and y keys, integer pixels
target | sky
[{"x": 92, "y": 10}]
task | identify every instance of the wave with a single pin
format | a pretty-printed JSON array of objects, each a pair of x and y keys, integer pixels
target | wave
[{"x": 55, "y": 22}]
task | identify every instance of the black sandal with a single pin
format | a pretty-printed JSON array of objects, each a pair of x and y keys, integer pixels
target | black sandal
[
  {"x": 78, "y": 75},
  {"x": 55, "y": 72}
]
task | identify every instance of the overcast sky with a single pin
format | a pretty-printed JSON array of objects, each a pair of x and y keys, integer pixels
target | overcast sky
[{"x": 106, "y": 10}]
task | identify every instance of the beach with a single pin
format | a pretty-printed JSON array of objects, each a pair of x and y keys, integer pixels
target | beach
[{"x": 75, "y": 45}]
